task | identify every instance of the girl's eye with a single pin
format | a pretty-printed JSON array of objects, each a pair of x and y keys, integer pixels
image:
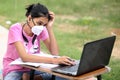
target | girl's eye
[
  {"x": 45, "y": 24},
  {"x": 39, "y": 23}
]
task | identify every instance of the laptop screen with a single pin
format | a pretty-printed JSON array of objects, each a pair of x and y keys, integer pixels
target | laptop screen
[{"x": 96, "y": 55}]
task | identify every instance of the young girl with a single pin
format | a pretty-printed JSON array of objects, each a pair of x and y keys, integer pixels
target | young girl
[{"x": 24, "y": 40}]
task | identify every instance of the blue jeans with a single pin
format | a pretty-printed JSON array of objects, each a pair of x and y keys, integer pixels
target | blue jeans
[{"x": 17, "y": 75}]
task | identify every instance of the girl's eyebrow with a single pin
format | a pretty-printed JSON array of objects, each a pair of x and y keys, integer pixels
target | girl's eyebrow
[{"x": 40, "y": 22}]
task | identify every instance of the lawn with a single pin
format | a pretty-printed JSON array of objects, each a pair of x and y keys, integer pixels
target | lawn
[{"x": 77, "y": 22}]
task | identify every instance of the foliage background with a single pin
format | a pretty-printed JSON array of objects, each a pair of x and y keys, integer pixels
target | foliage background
[{"x": 77, "y": 22}]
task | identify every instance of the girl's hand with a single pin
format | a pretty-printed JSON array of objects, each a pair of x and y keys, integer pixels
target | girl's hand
[
  {"x": 64, "y": 60},
  {"x": 51, "y": 21}
]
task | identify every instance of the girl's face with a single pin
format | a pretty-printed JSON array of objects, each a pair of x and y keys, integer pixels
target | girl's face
[{"x": 40, "y": 21}]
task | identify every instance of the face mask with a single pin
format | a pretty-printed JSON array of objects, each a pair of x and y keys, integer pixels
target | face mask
[{"x": 37, "y": 29}]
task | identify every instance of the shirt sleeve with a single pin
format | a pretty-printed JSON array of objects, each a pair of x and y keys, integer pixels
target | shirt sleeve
[
  {"x": 14, "y": 34},
  {"x": 44, "y": 35}
]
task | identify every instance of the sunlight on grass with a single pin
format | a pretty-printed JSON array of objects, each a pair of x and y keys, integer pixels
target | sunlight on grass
[{"x": 88, "y": 21}]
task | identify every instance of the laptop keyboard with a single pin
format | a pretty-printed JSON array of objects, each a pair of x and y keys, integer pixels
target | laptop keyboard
[{"x": 69, "y": 68}]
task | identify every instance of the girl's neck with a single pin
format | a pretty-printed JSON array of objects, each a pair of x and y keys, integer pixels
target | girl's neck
[{"x": 27, "y": 30}]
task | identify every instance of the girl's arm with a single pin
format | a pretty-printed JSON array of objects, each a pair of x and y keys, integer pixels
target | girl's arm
[
  {"x": 28, "y": 57},
  {"x": 33, "y": 58},
  {"x": 51, "y": 42}
]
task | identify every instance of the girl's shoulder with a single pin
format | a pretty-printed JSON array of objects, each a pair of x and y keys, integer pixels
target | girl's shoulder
[{"x": 16, "y": 26}]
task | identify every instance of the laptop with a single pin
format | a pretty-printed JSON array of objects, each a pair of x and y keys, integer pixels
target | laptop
[{"x": 95, "y": 55}]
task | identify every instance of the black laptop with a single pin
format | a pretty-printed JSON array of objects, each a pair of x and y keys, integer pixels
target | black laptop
[{"x": 95, "y": 55}]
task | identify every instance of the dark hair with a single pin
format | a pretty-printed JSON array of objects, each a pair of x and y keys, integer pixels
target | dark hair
[{"x": 37, "y": 10}]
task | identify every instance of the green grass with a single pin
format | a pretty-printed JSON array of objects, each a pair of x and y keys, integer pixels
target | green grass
[
  {"x": 77, "y": 22},
  {"x": 115, "y": 70}
]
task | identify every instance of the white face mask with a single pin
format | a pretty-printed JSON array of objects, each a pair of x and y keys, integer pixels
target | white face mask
[{"x": 37, "y": 29}]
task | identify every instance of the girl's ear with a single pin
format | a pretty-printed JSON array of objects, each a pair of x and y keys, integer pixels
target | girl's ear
[{"x": 29, "y": 18}]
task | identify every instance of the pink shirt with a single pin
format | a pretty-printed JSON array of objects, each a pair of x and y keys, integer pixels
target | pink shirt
[{"x": 15, "y": 34}]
